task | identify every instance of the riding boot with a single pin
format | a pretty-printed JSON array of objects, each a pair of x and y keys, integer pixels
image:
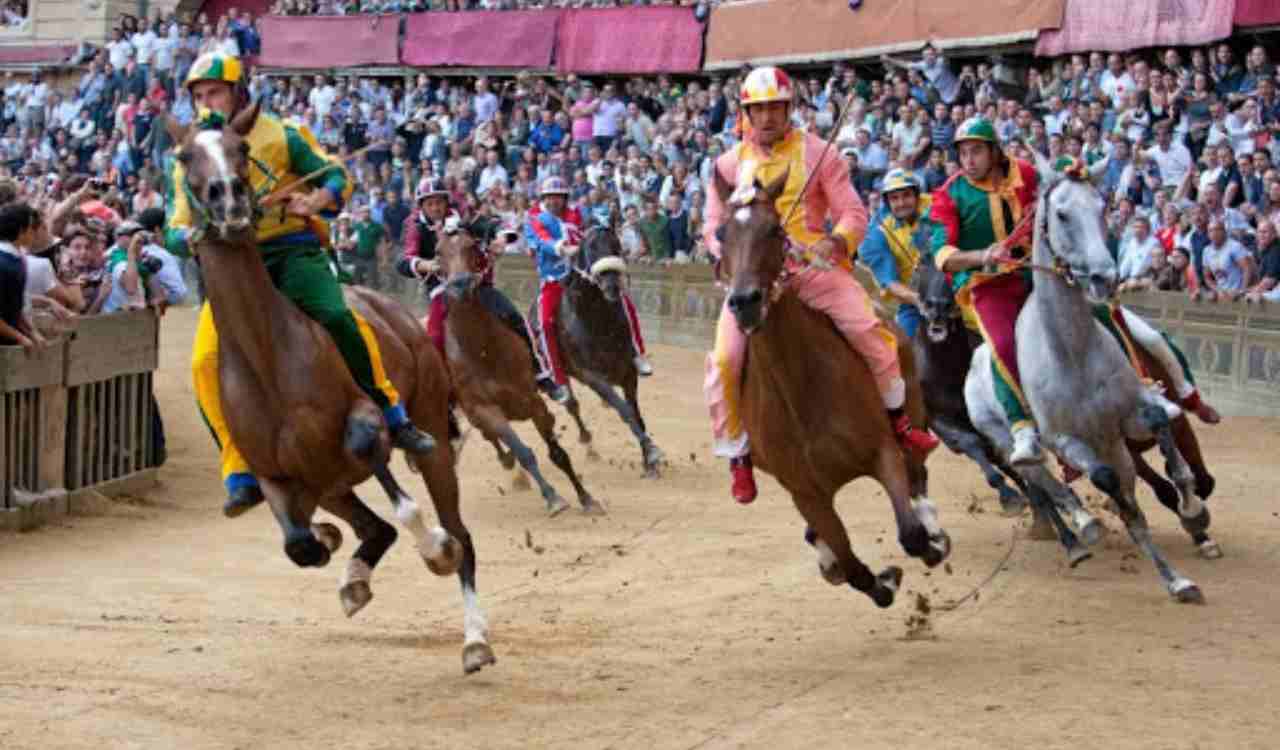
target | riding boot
[
  {"x": 1197, "y": 406},
  {"x": 921, "y": 442},
  {"x": 1026, "y": 447},
  {"x": 243, "y": 493},
  {"x": 406, "y": 436},
  {"x": 744, "y": 481}
]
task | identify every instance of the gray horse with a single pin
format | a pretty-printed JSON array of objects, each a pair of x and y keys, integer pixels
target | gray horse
[
  {"x": 596, "y": 342},
  {"x": 1082, "y": 391}
]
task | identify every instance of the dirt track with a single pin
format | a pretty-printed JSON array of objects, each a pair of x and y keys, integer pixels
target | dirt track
[{"x": 679, "y": 621}]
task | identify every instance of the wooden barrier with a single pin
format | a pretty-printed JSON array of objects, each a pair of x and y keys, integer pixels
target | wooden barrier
[
  {"x": 77, "y": 415},
  {"x": 1234, "y": 349}
]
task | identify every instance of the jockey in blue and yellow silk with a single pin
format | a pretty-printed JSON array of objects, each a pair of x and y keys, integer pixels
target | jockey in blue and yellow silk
[
  {"x": 899, "y": 235},
  {"x": 292, "y": 250}
]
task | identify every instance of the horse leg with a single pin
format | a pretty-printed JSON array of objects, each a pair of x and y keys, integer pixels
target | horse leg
[
  {"x": 376, "y": 537},
  {"x": 294, "y": 516},
  {"x": 967, "y": 443},
  {"x": 1065, "y": 498},
  {"x": 1118, "y": 483},
  {"x": 630, "y": 413},
  {"x": 442, "y": 485},
  {"x": 546, "y": 425},
  {"x": 918, "y": 529},
  {"x": 1191, "y": 510},
  {"x": 441, "y": 552},
  {"x": 529, "y": 462},
  {"x": 1043, "y": 509},
  {"x": 584, "y": 435},
  {"x": 836, "y": 560},
  {"x": 1189, "y": 447}
]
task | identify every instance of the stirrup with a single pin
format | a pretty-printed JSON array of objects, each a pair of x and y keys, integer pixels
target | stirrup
[{"x": 410, "y": 439}]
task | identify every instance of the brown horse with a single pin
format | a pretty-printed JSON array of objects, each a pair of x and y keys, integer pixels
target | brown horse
[
  {"x": 493, "y": 373},
  {"x": 809, "y": 402},
  {"x": 305, "y": 428}
]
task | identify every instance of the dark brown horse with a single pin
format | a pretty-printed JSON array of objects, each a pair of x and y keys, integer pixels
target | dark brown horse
[
  {"x": 493, "y": 373},
  {"x": 596, "y": 341},
  {"x": 811, "y": 406},
  {"x": 305, "y": 428}
]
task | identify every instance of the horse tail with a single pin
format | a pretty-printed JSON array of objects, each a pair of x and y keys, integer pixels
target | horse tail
[{"x": 364, "y": 437}]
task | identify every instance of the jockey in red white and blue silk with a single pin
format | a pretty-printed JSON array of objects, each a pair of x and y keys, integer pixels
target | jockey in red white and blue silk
[{"x": 554, "y": 233}]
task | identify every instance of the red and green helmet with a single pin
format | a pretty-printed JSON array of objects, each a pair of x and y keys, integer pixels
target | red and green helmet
[{"x": 977, "y": 129}]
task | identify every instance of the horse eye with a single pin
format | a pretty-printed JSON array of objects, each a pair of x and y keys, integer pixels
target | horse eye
[{"x": 1063, "y": 215}]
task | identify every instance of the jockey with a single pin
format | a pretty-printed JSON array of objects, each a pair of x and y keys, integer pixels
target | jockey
[
  {"x": 900, "y": 234},
  {"x": 554, "y": 232},
  {"x": 988, "y": 272},
  {"x": 769, "y": 148},
  {"x": 423, "y": 231},
  {"x": 293, "y": 254}
]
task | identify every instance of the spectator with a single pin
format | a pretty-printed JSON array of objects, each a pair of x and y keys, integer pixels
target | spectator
[
  {"x": 1268, "y": 265},
  {"x": 18, "y": 225},
  {"x": 657, "y": 237},
  {"x": 1136, "y": 250},
  {"x": 1228, "y": 266}
]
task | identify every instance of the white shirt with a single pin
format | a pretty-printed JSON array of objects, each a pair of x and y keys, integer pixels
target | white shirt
[
  {"x": 1135, "y": 255},
  {"x": 321, "y": 100},
  {"x": 490, "y": 176},
  {"x": 1173, "y": 164},
  {"x": 143, "y": 45},
  {"x": 40, "y": 278},
  {"x": 37, "y": 94},
  {"x": 1116, "y": 86},
  {"x": 162, "y": 53},
  {"x": 119, "y": 53},
  {"x": 907, "y": 136}
]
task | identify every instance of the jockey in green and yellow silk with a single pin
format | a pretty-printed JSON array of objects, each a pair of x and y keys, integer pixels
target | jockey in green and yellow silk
[{"x": 294, "y": 256}]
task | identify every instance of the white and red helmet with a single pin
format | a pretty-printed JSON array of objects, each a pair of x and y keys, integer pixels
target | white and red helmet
[{"x": 765, "y": 84}]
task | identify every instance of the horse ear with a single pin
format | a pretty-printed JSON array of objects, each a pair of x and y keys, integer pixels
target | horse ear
[
  {"x": 774, "y": 189},
  {"x": 176, "y": 130},
  {"x": 1044, "y": 168},
  {"x": 723, "y": 189},
  {"x": 243, "y": 122}
]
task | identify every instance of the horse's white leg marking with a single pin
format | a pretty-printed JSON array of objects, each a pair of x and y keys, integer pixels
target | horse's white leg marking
[
  {"x": 475, "y": 626},
  {"x": 357, "y": 571},
  {"x": 827, "y": 564},
  {"x": 927, "y": 512},
  {"x": 430, "y": 542}
]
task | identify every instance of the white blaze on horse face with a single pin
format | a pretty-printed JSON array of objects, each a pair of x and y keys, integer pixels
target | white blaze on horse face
[
  {"x": 210, "y": 141},
  {"x": 742, "y": 215}
]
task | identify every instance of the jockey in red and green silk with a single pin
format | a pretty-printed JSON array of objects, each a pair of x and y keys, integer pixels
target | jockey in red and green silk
[
  {"x": 981, "y": 206},
  {"x": 555, "y": 232}
]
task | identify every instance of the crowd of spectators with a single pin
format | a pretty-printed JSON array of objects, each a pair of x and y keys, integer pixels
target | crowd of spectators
[{"x": 1184, "y": 145}]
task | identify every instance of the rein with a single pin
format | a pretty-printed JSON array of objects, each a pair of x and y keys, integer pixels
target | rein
[{"x": 1033, "y": 219}]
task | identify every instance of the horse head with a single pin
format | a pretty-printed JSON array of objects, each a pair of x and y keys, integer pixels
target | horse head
[
  {"x": 601, "y": 258},
  {"x": 937, "y": 301},
  {"x": 463, "y": 257},
  {"x": 1070, "y": 235},
  {"x": 216, "y": 163},
  {"x": 753, "y": 247}
]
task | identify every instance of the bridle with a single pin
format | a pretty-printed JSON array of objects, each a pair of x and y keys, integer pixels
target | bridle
[
  {"x": 1060, "y": 268},
  {"x": 591, "y": 275},
  {"x": 202, "y": 218}
]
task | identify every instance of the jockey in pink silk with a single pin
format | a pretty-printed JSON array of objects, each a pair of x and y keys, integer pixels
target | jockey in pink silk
[
  {"x": 555, "y": 233},
  {"x": 769, "y": 149}
]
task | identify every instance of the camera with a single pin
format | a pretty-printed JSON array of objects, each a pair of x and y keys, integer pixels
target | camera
[{"x": 510, "y": 236}]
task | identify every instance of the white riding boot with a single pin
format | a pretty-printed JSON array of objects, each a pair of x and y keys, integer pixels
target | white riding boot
[{"x": 1026, "y": 447}]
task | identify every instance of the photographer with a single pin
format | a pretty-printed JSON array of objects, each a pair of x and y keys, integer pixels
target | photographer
[{"x": 140, "y": 272}]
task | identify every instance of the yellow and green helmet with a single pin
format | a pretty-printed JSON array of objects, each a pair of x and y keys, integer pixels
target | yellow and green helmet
[
  {"x": 977, "y": 129},
  {"x": 216, "y": 66},
  {"x": 900, "y": 179}
]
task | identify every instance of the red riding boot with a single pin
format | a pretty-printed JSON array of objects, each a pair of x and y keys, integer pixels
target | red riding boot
[
  {"x": 744, "y": 481},
  {"x": 922, "y": 442}
]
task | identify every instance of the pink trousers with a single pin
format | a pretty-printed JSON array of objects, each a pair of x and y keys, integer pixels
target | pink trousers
[{"x": 841, "y": 298}]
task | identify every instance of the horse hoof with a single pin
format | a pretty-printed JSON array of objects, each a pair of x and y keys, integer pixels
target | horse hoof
[
  {"x": 939, "y": 549},
  {"x": 1091, "y": 532},
  {"x": 449, "y": 559},
  {"x": 592, "y": 507},
  {"x": 354, "y": 596},
  {"x": 507, "y": 460},
  {"x": 328, "y": 535},
  {"x": 307, "y": 552},
  {"x": 1077, "y": 555},
  {"x": 1210, "y": 550},
  {"x": 476, "y": 656},
  {"x": 585, "y": 439},
  {"x": 1186, "y": 592},
  {"x": 887, "y": 583},
  {"x": 556, "y": 505}
]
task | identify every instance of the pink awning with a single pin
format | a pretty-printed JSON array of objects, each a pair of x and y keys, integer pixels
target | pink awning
[
  {"x": 329, "y": 42},
  {"x": 629, "y": 40},
  {"x": 1109, "y": 26},
  {"x": 1257, "y": 13},
  {"x": 511, "y": 39}
]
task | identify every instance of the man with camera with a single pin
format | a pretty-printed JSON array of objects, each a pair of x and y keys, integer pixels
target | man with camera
[{"x": 142, "y": 273}]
